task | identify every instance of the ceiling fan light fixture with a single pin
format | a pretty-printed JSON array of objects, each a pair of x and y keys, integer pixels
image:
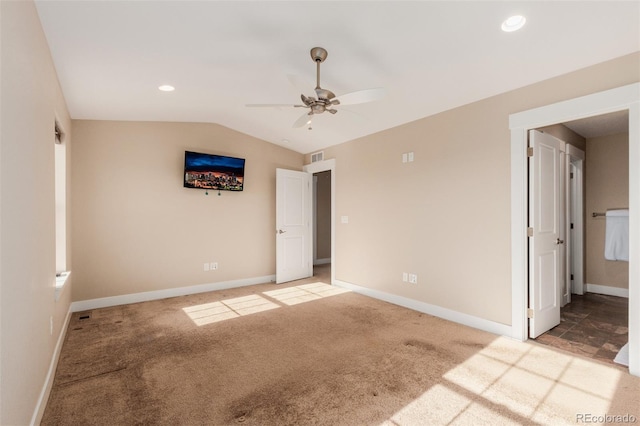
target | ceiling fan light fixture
[
  {"x": 166, "y": 88},
  {"x": 513, "y": 23}
]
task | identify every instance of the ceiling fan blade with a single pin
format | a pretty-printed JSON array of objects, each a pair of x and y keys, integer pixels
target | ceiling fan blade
[
  {"x": 362, "y": 96},
  {"x": 303, "y": 120},
  {"x": 269, "y": 105}
]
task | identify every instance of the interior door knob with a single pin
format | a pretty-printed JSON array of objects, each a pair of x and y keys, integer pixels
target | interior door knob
[{"x": 280, "y": 231}]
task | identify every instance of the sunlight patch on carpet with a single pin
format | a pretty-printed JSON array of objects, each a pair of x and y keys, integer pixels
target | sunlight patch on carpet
[
  {"x": 208, "y": 313},
  {"x": 515, "y": 382},
  {"x": 304, "y": 293},
  {"x": 438, "y": 405}
]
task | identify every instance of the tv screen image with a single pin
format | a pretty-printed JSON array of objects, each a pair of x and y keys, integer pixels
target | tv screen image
[{"x": 209, "y": 171}]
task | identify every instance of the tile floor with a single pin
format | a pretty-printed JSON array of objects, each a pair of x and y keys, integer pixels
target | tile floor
[{"x": 593, "y": 325}]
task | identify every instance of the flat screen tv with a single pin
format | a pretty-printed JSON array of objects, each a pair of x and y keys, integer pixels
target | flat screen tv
[{"x": 208, "y": 171}]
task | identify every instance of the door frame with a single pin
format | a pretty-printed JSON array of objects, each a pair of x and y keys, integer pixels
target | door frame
[
  {"x": 618, "y": 99},
  {"x": 575, "y": 237},
  {"x": 323, "y": 166}
]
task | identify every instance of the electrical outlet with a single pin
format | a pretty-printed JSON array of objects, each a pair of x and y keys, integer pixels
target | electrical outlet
[
  {"x": 213, "y": 266},
  {"x": 404, "y": 157},
  {"x": 411, "y": 157},
  {"x": 206, "y": 266},
  {"x": 405, "y": 277},
  {"x": 413, "y": 278}
]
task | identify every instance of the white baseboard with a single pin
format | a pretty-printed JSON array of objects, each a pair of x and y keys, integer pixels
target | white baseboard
[
  {"x": 437, "y": 311},
  {"x": 322, "y": 261},
  {"x": 48, "y": 383},
  {"x": 608, "y": 290},
  {"x": 125, "y": 299}
]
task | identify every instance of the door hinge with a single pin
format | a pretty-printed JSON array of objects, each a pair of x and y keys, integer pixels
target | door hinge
[
  {"x": 530, "y": 151},
  {"x": 529, "y": 232},
  {"x": 571, "y": 175},
  {"x": 572, "y": 226},
  {"x": 571, "y": 277},
  {"x": 530, "y": 313}
]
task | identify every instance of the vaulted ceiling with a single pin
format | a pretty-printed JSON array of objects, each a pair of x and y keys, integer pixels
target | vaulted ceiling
[{"x": 429, "y": 56}]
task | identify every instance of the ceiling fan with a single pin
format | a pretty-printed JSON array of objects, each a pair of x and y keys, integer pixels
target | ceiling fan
[{"x": 325, "y": 100}]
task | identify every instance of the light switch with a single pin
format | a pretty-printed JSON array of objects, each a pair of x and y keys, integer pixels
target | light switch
[
  {"x": 344, "y": 219},
  {"x": 411, "y": 156}
]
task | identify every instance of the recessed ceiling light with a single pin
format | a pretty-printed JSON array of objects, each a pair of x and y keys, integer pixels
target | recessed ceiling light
[
  {"x": 166, "y": 88},
  {"x": 513, "y": 23}
]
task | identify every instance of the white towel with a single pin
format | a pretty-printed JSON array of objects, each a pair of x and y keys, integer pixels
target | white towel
[{"x": 616, "y": 241}]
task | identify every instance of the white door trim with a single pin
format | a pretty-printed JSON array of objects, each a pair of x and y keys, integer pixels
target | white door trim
[
  {"x": 575, "y": 257},
  {"x": 323, "y": 166},
  {"x": 314, "y": 214},
  {"x": 618, "y": 99}
]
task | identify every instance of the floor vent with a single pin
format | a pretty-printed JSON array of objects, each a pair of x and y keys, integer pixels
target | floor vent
[
  {"x": 317, "y": 156},
  {"x": 84, "y": 316}
]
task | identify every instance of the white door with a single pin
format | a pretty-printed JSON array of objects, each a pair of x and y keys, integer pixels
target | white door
[
  {"x": 546, "y": 217},
  {"x": 293, "y": 226}
]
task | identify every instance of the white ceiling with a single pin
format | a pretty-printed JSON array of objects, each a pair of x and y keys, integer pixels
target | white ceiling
[{"x": 220, "y": 55}]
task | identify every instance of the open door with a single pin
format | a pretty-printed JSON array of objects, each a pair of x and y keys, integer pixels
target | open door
[
  {"x": 293, "y": 226},
  {"x": 546, "y": 233}
]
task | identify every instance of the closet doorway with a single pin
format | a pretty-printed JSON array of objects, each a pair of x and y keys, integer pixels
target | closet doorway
[{"x": 322, "y": 226}]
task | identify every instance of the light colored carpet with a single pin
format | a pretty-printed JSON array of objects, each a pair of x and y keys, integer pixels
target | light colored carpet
[{"x": 312, "y": 354}]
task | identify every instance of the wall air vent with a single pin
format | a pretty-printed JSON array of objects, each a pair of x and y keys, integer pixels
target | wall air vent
[{"x": 317, "y": 156}]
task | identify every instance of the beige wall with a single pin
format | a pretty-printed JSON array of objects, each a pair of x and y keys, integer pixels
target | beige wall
[
  {"x": 446, "y": 216},
  {"x": 31, "y": 99},
  {"x": 606, "y": 187},
  {"x": 323, "y": 215},
  {"x": 137, "y": 229}
]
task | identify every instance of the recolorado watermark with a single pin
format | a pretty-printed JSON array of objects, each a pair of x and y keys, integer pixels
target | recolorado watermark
[{"x": 605, "y": 418}]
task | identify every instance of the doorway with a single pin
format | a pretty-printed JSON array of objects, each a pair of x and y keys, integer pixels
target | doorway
[
  {"x": 618, "y": 99},
  {"x": 323, "y": 266},
  {"x": 321, "y": 196},
  {"x": 593, "y": 317}
]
